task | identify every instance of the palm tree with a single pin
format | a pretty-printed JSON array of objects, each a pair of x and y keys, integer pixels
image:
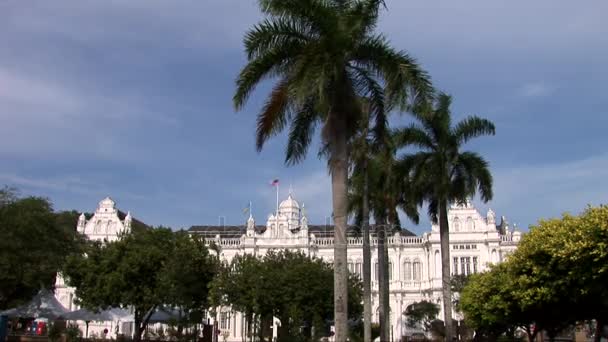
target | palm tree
[
  {"x": 325, "y": 55},
  {"x": 373, "y": 185},
  {"x": 440, "y": 173}
]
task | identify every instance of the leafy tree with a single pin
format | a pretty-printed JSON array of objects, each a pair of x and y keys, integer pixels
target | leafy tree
[
  {"x": 441, "y": 173},
  {"x": 186, "y": 271},
  {"x": 326, "y": 56},
  {"x": 142, "y": 271},
  {"x": 421, "y": 313},
  {"x": 489, "y": 305},
  {"x": 288, "y": 285},
  {"x": 33, "y": 247},
  {"x": 560, "y": 268}
]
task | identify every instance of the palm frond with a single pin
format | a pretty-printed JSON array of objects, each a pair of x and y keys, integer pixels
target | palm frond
[
  {"x": 274, "y": 115},
  {"x": 301, "y": 132},
  {"x": 479, "y": 170},
  {"x": 473, "y": 127},
  {"x": 319, "y": 13},
  {"x": 413, "y": 135},
  {"x": 269, "y": 64},
  {"x": 404, "y": 79},
  {"x": 270, "y": 34},
  {"x": 370, "y": 89}
]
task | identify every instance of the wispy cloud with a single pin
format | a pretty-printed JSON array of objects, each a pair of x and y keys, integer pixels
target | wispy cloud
[{"x": 536, "y": 89}]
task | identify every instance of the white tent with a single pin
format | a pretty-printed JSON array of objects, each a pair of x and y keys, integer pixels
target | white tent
[{"x": 43, "y": 305}]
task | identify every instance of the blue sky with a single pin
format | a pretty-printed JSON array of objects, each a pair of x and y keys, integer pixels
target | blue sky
[{"x": 132, "y": 99}]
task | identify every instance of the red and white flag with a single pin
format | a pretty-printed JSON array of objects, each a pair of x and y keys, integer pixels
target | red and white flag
[{"x": 275, "y": 182}]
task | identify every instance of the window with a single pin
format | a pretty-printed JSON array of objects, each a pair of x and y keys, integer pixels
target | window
[
  {"x": 468, "y": 263},
  {"x": 407, "y": 270},
  {"x": 417, "y": 270},
  {"x": 456, "y": 224},
  {"x": 351, "y": 267},
  {"x": 462, "y": 265},
  {"x": 468, "y": 247},
  {"x": 473, "y": 246},
  {"x": 455, "y": 271},
  {"x": 358, "y": 270},
  {"x": 225, "y": 320},
  {"x": 470, "y": 224},
  {"x": 474, "y": 264},
  {"x": 390, "y": 271}
]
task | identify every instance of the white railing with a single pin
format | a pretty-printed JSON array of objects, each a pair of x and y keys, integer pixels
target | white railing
[
  {"x": 325, "y": 241},
  {"x": 506, "y": 238},
  {"x": 230, "y": 242},
  {"x": 329, "y": 241}
]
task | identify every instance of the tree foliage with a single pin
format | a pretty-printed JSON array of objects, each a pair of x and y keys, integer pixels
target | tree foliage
[
  {"x": 421, "y": 313},
  {"x": 143, "y": 270},
  {"x": 555, "y": 278},
  {"x": 35, "y": 243},
  {"x": 288, "y": 285}
]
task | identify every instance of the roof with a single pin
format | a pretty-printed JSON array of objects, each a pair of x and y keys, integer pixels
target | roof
[{"x": 318, "y": 230}]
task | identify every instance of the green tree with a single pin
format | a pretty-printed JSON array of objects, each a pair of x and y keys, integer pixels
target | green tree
[
  {"x": 326, "y": 56},
  {"x": 142, "y": 271},
  {"x": 187, "y": 270},
  {"x": 441, "y": 173},
  {"x": 288, "y": 285},
  {"x": 33, "y": 247},
  {"x": 421, "y": 314},
  {"x": 488, "y": 303},
  {"x": 560, "y": 268}
]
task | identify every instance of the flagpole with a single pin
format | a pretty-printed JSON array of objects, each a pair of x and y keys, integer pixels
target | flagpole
[{"x": 277, "y": 213}]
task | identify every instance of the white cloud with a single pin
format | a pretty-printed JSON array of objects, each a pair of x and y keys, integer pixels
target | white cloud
[{"x": 536, "y": 89}]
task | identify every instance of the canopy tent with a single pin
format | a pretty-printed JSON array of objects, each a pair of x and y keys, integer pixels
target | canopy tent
[
  {"x": 164, "y": 315},
  {"x": 43, "y": 305},
  {"x": 113, "y": 314}
]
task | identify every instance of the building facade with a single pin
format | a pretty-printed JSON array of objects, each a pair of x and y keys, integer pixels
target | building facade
[{"x": 476, "y": 241}]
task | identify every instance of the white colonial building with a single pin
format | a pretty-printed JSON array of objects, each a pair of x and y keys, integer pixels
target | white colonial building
[
  {"x": 414, "y": 261},
  {"x": 106, "y": 224}
]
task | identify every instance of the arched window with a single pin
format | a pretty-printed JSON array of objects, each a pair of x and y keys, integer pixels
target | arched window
[
  {"x": 417, "y": 270},
  {"x": 456, "y": 224},
  {"x": 470, "y": 224},
  {"x": 407, "y": 270},
  {"x": 437, "y": 264},
  {"x": 225, "y": 320}
]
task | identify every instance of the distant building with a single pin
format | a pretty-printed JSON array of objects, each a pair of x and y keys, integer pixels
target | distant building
[{"x": 414, "y": 261}]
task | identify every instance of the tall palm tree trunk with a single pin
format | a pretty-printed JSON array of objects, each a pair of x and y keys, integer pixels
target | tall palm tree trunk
[
  {"x": 444, "y": 236},
  {"x": 382, "y": 283},
  {"x": 367, "y": 286},
  {"x": 385, "y": 288},
  {"x": 339, "y": 177}
]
